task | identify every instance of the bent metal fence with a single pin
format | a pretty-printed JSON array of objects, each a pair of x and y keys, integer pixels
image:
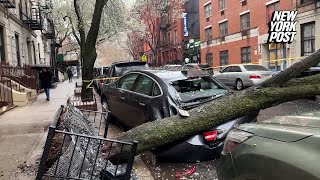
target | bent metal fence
[{"x": 73, "y": 149}]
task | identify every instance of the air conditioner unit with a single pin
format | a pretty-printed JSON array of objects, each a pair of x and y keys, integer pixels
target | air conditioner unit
[{"x": 241, "y": 1}]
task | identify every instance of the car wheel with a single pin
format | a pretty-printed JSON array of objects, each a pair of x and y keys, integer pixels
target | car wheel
[
  {"x": 105, "y": 108},
  {"x": 239, "y": 84}
]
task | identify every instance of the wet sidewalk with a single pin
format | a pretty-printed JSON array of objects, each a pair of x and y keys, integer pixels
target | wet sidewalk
[{"x": 23, "y": 132}]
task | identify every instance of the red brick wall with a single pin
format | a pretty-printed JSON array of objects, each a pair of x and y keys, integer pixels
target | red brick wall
[{"x": 258, "y": 13}]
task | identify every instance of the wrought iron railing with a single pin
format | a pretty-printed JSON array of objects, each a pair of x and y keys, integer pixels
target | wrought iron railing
[
  {"x": 24, "y": 76},
  {"x": 6, "y": 98}
]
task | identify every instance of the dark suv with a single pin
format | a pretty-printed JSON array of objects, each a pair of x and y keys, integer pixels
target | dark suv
[{"x": 119, "y": 68}]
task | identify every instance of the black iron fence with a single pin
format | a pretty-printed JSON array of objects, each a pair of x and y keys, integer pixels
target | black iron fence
[
  {"x": 6, "y": 98},
  {"x": 70, "y": 155},
  {"x": 22, "y": 75}
]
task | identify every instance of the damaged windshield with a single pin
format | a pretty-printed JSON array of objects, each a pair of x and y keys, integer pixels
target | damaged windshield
[{"x": 197, "y": 89}]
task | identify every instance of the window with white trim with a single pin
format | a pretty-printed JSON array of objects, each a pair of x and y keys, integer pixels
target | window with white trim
[{"x": 207, "y": 10}]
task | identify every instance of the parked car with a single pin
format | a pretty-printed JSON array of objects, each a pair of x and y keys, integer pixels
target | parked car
[
  {"x": 282, "y": 148},
  {"x": 311, "y": 71},
  {"x": 172, "y": 67},
  {"x": 203, "y": 67},
  {"x": 99, "y": 73},
  {"x": 117, "y": 69},
  {"x": 142, "y": 96},
  {"x": 241, "y": 76}
]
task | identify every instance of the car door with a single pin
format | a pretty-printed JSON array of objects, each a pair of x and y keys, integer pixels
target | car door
[
  {"x": 145, "y": 91},
  {"x": 119, "y": 96},
  {"x": 223, "y": 76},
  {"x": 233, "y": 75}
]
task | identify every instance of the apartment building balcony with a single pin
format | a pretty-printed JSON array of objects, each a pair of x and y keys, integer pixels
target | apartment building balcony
[
  {"x": 48, "y": 29},
  {"x": 34, "y": 20},
  {"x": 8, "y": 3}
]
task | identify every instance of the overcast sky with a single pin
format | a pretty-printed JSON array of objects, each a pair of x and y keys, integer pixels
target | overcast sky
[{"x": 129, "y": 2}]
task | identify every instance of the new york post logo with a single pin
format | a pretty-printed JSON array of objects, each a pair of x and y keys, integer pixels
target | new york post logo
[{"x": 282, "y": 27}]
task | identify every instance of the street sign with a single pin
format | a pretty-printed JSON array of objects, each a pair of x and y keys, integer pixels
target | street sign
[
  {"x": 59, "y": 57},
  {"x": 144, "y": 58},
  {"x": 185, "y": 25}
]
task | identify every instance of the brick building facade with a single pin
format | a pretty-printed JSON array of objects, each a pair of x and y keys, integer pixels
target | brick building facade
[{"x": 235, "y": 31}]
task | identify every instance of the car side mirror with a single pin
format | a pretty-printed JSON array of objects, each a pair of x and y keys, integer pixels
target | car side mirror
[{"x": 220, "y": 71}]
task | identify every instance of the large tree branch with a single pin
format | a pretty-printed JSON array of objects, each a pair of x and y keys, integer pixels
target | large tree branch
[
  {"x": 157, "y": 133},
  {"x": 80, "y": 23},
  {"x": 294, "y": 71},
  {"x": 154, "y": 134},
  {"x": 95, "y": 24}
]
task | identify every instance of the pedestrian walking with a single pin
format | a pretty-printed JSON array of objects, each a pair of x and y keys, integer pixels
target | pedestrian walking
[
  {"x": 70, "y": 74},
  {"x": 45, "y": 77}
]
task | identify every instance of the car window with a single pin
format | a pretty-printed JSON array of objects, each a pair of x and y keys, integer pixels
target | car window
[
  {"x": 124, "y": 68},
  {"x": 235, "y": 69},
  {"x": 144, "y": 86},
  {"x": 197, "y": 89},
  {"x": 156, "y": 90},
  {"x": 227, "y": 69},
  {"x": 204, "y": 66},
  {"x": 255, "y": 68},
  {"x": 126, "y": 82}
]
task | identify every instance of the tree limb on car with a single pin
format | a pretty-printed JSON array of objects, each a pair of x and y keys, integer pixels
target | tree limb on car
[{"x": 276, "y": 90}]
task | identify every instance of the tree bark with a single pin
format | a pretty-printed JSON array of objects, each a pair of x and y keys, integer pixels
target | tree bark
[
  {"x": 234, "y": 105},
  {"x": 88, "y": 46}
]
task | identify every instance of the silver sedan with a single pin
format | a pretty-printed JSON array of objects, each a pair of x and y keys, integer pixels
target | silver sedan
[{"x": 241, "y": 76}]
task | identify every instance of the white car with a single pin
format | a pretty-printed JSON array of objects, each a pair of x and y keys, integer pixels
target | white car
[{"x": 241, "y": 76}]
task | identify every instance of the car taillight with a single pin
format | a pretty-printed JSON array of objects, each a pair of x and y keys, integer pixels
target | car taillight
[
  {"x": 253, "y": 76},
  {"x": 235, "y": 138},
  {"x": 211, "y": 135}
]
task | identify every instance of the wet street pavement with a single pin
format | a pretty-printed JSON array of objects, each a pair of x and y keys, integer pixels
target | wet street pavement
[{"x": 208, "y": 170}]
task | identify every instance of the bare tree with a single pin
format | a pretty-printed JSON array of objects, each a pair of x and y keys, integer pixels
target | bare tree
[{"x": 153, "y": 15}]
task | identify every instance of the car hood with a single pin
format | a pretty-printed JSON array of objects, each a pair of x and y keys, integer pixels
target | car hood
[{"x": 286, "y": 128}]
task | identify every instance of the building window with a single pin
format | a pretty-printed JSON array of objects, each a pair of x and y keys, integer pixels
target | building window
[
  {"x": 224, "y": 59},
  {"x": 169, "y": 38},
  {"x": 2, "y": 50},
  {"x": 223, "y": 28},
  {"x": 245, "y": 55},
  {"x": 270, "y": 9},
  {"x": 208, "y": 34},
  {"x": 306, "y": 1},
  {"x": 307, "y": 39},
  {"x": 222, "y": 5},
  {"x": 245, "y": 21},
  {"x": 17, "y": 50},
  {"x": 175, "y": 36},
  {"x": 209, "y": 57},
  {"x": 163, "y": 37},
  {"x": 207, "y": 10}
]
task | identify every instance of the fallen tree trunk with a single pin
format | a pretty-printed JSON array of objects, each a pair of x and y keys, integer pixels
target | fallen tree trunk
[{"x": 276, "y": 91}]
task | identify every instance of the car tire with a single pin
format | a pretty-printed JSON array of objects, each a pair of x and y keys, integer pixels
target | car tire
[
  {"x": 239, "y": 84},
  {"x": 105, "y": 108}
]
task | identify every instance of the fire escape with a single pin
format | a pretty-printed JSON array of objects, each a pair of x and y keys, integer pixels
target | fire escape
[
  {"x": 8, "y": 3},
  {"x": 32, "y": 18}
]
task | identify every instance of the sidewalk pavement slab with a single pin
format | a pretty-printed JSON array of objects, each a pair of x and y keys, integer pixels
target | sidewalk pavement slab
[{"x": 23, "y": 133}]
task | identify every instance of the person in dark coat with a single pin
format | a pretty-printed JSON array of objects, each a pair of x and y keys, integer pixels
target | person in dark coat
[
  {"x": 70, "y": 74},
  {"x": 45, "y": 77}
]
